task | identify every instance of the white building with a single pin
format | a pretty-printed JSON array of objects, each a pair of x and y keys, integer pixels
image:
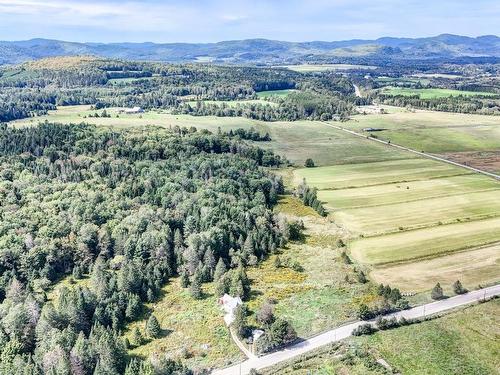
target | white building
[
  {"x": 229, "y": 304},
  {"x": 132, "y": 110}
]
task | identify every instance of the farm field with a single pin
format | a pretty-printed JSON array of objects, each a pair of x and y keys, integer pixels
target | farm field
[
  {"x": 413, "y": 221},
  {"x": 409, "y": 191},
  {"x": 426, "y": 242},
  {"x": 425, "y": 212},
  {"x": 375, "y": 173},
  {"x": 298, "y": 140},
  {"x": 423, "y": 275},
  {"x": 277, "y": 93},
  {"x": 432, "y": 93},
  {"x": 234, "y": 103},
  {"x": 470, "y": 139},
  {"x": 305, "y": 68},
  {"x": 463, "y": 342}
]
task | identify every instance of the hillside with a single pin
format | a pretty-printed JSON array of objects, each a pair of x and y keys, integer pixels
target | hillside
[{"x": 446, "y": 46}]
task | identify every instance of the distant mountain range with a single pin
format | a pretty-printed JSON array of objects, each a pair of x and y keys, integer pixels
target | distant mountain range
[{"x": 263, "y": 51}]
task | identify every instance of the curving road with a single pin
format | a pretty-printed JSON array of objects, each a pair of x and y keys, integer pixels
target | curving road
[
  {"x": 346, "y": 330},
  {"x": 425, "y": 155}
]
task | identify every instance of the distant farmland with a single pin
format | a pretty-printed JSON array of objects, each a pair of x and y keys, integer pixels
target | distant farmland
[{"x": 433, "y": 93}]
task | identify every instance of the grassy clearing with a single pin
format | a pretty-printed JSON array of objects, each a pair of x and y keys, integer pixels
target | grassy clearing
[
  {"x": 405, "y": 192},
  {"x": 423, "y": 275},
  {"x": 465, "y": 342},
  {"x": 435, "y": 132},
  {"x": 420, "y": 213},
  {"x": 234, "y": 103},
  {"x": 366, "y": 174},
  {"x": 427, "y": 242},
  {"x": 432, "y": 93},
  {"x": 314, "y": 295},
  {"x": 275, "y": 93},
  {"x": 307, "y": 68},
  {"x": 189, "y": 326},
  {"x": 297, "y": 140}
]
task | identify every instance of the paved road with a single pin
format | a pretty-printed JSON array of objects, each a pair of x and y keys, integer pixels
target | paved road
[
  {"x": 345, "y": 331},
  {"x": 424, "y": 154}
]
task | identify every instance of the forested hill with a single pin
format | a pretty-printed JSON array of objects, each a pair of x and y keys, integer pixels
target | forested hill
[
  {"x": 124, "y": 211},
  {"x": 264, "y": 51}
]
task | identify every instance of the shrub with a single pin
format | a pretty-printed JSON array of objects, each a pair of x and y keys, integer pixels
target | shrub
[
  {"x": 458, "y": 288},
  {"x": 364, "y": 329},
  {"x": 309, "y": 163},
  {"x": 437, "y": 292}
]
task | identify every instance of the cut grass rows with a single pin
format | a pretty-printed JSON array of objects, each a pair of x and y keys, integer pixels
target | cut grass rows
[{"x": 427, "y": 242}]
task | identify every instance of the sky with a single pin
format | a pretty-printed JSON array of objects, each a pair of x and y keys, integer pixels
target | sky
[{"x": 217, "y": 20}]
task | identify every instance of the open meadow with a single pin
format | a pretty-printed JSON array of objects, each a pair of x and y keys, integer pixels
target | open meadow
[
  {"x": 433, "y": 93},
  {"x": 464, "y": 342},
  {"x": 466, "y": 138}
]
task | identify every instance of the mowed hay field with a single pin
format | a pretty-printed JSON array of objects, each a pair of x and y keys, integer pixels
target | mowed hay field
[
  {"x": 469, "y": 139},
  {"x": 433, "y": 93},
  {"x": 403, "y": 213},
  {"x": 297, "y": 140},
  {"x": 465, "y": 342},
  {"x": 434, "y": 132}
]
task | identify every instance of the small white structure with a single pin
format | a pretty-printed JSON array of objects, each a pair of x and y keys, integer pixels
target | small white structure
[
  {"x": 256, "y": 333},
  {"x": 229, "y": 304},
  {"x": 130, "y": 111}
]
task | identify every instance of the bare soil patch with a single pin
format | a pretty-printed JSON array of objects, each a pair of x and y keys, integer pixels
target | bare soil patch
[{"x": 485, "y": 160}]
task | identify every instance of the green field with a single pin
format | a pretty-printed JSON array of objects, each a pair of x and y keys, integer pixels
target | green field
[
  {"x": 234, "y": 103},
  {"x": 461, "y": 343},
  {"x": 297, "y": 140},
  {"x": 427, "y": 242},
  {"x": 375, "y": 173},
  {"x": 435, "y": 132},
  {"x": 400, "y": 192},
  {"x": 403, "y": 211},
  {"x": 276, "y": 93},
  {"x": 306, "y": 68},
  {"x": 432, "y": 93},
  {"x": 464, "y": 342}
]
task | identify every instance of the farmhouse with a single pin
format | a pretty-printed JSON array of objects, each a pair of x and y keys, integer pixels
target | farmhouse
[
  {"x": 229, "y": 304},
  {"x": 132, "y": 110}
]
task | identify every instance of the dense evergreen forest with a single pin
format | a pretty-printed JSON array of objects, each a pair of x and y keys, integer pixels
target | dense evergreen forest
[
  {"x": 123, "y": 211},
  {"x": 35, "y": 87}
]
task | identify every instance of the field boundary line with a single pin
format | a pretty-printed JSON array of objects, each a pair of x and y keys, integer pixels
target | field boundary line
[{"x": 424, "y": 154}]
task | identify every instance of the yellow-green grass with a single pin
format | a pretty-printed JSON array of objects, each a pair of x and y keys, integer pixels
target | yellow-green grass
[
  {"x": 420, "y": 213},
  {"x": 314, "y": 299},
  {"x": 461, "y": 343},
  {"x": 366, "y": 174},
  {"x": 405, "y": 192},
  {"x": 472, "y": 267},
  {"x": 195, "y": 327},
  {"x": 465, "y": 342},
  {"x": 277, "y": 93},
  {"x": 426, "y": 242},
  {"x": 234, "y": 103},
  {"x": 432, "y": 93},
  {"x": 314, "y": 295},
  {"x": 297, "y": 140},
  {"x": 435, "y": 132},
  {"x": 306, "y": 68}
]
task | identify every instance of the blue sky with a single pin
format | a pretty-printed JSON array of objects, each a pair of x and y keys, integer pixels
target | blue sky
[{"x": 216, "y": 20}]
